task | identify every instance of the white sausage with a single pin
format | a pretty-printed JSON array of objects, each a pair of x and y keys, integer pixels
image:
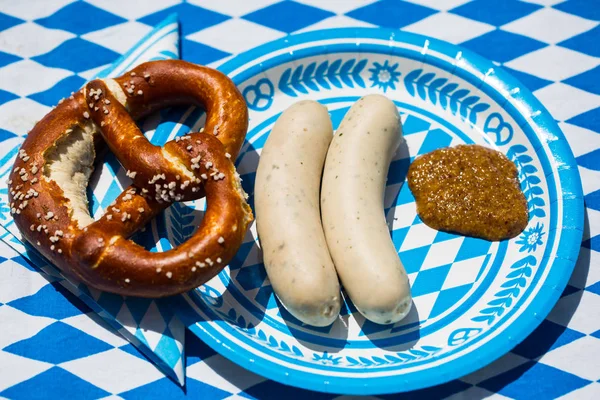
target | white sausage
[
  {"x": 288, "y": 215},
  {"x": 352, "y": 210}
]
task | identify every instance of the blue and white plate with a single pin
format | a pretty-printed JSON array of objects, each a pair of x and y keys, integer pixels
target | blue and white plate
[{"x": 473, "y": 300}]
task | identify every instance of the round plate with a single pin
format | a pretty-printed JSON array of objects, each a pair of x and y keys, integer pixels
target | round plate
[{"x": 474, "y": 300}]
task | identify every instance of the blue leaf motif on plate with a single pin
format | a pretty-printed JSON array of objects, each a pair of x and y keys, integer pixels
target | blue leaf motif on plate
[
  {"x": 308, "y": 71},
  {"x": 529, "y": 181},
  {"x": 448, "y": 95},
  {"x": 297, "y": 351},
  {"x": 421, "y": 83},
  {"x": 467, "y": 104},
  {"x": 249, "y": 329},
  {"x": 434, "y": 87},
  {"x": 332, "y": 72},
  {"x": 295, "y": 81},
  {"x": 515, "y": 281},
  {"x": 413, "y": 354},
  {"x": 323, "y": 75},
  {"x": 345, "y": 73},
  {"x": 182, "y": 223}
]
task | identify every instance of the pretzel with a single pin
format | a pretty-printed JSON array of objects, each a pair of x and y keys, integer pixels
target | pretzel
[{"x": 47, "y": 186}]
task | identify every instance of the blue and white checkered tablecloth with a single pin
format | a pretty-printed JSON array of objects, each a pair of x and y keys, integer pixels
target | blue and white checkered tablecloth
[{"x": 53, "y": 346}]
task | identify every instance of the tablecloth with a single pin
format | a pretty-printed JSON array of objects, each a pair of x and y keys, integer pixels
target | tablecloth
[{"x": 552, "y": 46}]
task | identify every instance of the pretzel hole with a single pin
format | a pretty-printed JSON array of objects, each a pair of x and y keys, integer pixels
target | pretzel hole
[{"x": 70, "y": 163}]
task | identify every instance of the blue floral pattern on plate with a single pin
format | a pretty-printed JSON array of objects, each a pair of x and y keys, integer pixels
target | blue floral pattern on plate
[{"x": 384, "y": 76}]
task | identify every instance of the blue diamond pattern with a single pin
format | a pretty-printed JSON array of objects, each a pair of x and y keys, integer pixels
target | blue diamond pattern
[
  {"x": 413, "y": 259},
  {"x": 59, "y": 303},
  {"x": 586, "y": 43},
  {"x": 471, "y": 248},
  {"x": 200, "y": 53},
  {"x": 584, "y": 8},
  {"x": 5, "y": 96},
  {"x": 252, "y": 276},
  {"x": 113, "y": 191},
  {"x": 52, "y": 96},
  {"x": 435, "y": 139},
  {"x": 495, "y": 12},
  {"x": 502, "y": 46},
  {"x": 589, "y": 120},
  {"x": 398, "y": 171},
  {"x": 550, "y": 382},
  {"x": 138, "y": 307},
  {"x": 413, "y": 124},
  {"x": 128, "y": 348},
  {"x": 55, "y": 382},
  {"x": 548, "y": 336},
  {"x": 192, "y": 18},
  {"x": 80, "y": 18},
  {"x": 592, "y": 200},
  {"x": 166, "y": 345},
  {"x": 241, "y": 256},
  {"x": 288, "y": 16},
  {"x": 532, "y": 82},
  {"x": 592, "y": 243},
  {"x": 589, "y": 160},
  {"x": 430, "y": 280},
  {"x": 6, "y": 58},
  {"x": 51, "y": 344},
  {"x": 588, "y": 81},
  {"x": 5, "y": 135},
  {"x": 391, "y": 14},
  {"x": 448, "y": 298},
  {"x": 165, "y": 389},
  {"x": 20, "y": 259},
  {"x": 77, "y": 55},
  {"x": 7, "y": 21},
  {"x": 443, "y": 391},
  {"x": 266, "y": 389},
  {"x": 112, "y": 303},
  {"x": 595, "y": 288},
  {"x": 443, "y": 236},
  {"x": 167, "y": 306},
  {"x": 265, "y": 297},
  {"x": 195, "y": 349}
]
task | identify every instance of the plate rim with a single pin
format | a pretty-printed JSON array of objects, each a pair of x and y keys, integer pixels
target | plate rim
[{"x": 540, "y": 305}]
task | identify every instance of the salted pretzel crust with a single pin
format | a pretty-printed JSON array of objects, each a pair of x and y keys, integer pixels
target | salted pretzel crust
[{"x": 198, "y": 164}]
